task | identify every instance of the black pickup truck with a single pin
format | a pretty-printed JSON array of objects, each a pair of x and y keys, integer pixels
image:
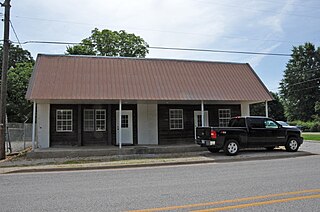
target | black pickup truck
[{"x": 248, "y": 132}]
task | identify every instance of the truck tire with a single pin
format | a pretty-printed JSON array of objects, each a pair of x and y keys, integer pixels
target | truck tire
[
  {"x": 292, "y": 144},
  {"x": 213, "y": 150},
  {"x": 231, "y": 147}
]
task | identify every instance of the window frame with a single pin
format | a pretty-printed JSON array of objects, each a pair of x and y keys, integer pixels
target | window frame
[
  {"x": 224, "y": 121},
  {"x": 95, "y": 120},
  {"x": 256, "y": 123},
  {"x": 268, "y": 126},
  {"x": 176, "y": 119},
  {"x": 84, "y": 121},
  {"x": 125, "y": 118},
  {"x": 64, "y": 120},
  {"x": 104, "y": 120}
]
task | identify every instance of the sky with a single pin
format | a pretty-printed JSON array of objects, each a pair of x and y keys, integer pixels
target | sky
[{"x": 270, "y": 26}]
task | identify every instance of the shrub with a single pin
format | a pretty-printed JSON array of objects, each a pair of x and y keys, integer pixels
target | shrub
[{"x": 309, "y": 126}]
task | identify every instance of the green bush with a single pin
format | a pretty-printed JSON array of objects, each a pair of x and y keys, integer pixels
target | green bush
[{"x": 309, "y": 126}]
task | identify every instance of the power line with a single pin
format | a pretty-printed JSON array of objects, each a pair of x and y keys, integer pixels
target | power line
[
  {"x": 220, "y": 51},
  {"x": 307, "y": 71},
  {"x": 15, "y": 33},
  {"x": 317, "y": 86},
  {"x": 172, "y": 48},
  {"x": 167, "y": 31},
  {"x": 304, "y": 81},
  {"x": 310, "y": 70},
  {"x": 50, "y": 42}
]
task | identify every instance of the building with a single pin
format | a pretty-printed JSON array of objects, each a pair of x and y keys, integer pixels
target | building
[{"x": 79, "y": 100}]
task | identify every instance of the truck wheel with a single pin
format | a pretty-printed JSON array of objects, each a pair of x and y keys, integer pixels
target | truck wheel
[
  {"x": 213, "y": 150},
  {"x": 292, "y": 145},
  {"x": 231, "y": 147}
]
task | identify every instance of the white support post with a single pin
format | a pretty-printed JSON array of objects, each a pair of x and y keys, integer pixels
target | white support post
[
  {"x": 267, "y": 114},
  {"x": 202, "y": 114},
  {"x": 34, "y": 125},
  {"x": 120, "y": 114}
]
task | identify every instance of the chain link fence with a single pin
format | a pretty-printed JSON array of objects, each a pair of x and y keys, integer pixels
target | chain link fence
[{"x": 18, "y": 136}]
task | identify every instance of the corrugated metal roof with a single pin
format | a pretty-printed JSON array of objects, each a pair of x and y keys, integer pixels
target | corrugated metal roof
[{"x": 62, "y": 77}]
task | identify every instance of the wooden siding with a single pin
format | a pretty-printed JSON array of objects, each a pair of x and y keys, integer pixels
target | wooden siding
[
  {"x": 63, "y": 138},
  {"x": 166, "y": 136},
  {"x": 186, "y": 135},
  {"x": 95, "y": 137},
  {"x": 89, "y": 138}
]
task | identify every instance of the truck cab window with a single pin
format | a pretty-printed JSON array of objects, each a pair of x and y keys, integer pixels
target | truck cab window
[
  {"x": 237, "y": 122},
  {"x": 256, "y": 123},
  {"x": 270, "y": 124}
]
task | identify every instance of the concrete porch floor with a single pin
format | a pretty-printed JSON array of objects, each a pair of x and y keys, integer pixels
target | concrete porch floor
[{"x": 91, "y": 151}]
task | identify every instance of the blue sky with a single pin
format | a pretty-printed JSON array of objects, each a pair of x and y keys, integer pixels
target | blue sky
[{"x": 242, "y": 25}]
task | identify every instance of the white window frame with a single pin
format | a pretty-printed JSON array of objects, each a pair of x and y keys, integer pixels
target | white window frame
[
  {"x": 64, "y": 120},
  {"x": 176, "y": 119},
  {"x": 94, "y": 120},
  {"x": 85, "y": 128},
  {"x": 103, "y": 120},
  {"x": 224, "y": 120}
]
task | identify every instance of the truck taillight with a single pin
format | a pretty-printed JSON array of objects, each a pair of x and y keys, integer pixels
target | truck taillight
[{"x": 213, "y": 134}]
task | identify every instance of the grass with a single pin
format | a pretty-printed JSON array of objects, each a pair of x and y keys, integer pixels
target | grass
[{"x": 311, "y": 136}]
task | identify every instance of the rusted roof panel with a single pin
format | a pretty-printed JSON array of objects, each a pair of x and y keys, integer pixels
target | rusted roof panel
[{"x": 110, "y": 78}]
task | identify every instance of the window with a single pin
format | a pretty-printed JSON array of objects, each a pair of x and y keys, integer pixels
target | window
[
  {"x": 124, "y": 121},
  {"x": 224, "y": 117},
  {"x": 64, "y": 120},
  {"x": 270, "y": 124},
  {"x": 88, "y": 120},
  {"x": 94, "y": 120},
  {"x": 176, "y": 119},
  {"x": 100, "y": 120},
  {"x": 256, "y": 123},
  {"x": 237, "y": 122},
  {"x": 199, "y": 117}
]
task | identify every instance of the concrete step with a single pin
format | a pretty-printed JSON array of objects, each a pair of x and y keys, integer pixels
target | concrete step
[{"x": 112, "y": 151}]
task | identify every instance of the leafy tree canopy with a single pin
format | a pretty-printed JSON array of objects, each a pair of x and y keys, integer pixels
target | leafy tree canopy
[
  {"x": 275, "y": 108},
  {"x": 18, "y": 108},
  {"x": 16, "y": 55},
  {"x": 20, "y": 68},
  {"x": 110, "y": 43},
  {"x": 300, "y": 87}
]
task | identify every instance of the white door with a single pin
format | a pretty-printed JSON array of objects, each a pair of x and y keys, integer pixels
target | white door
[
  {"x": 126, "y": 127},
  {"x": 198, "y": 120}
]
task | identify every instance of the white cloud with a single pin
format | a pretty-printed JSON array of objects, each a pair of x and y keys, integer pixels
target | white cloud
[
  {"x": 255, "y": 61},
  {"x": 242, "y": 25},
  {"x": 274, "y": 22}
]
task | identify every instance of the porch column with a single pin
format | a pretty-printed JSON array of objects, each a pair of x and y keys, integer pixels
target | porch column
[
  {"x": 34, "y": 125},
  {"x": 267, "y": 114},
  {"x": 120, "y": 114},
  {"x": 202, "y": 114},
  {"x": 245, "y": 109}
]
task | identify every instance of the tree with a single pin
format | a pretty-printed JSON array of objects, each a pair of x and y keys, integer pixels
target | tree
[
  {"x": 16, "y": 55},
  {"x": 110, "y": 43},
  {"x": 18, "y": 108},
  {"x": 275, "y": 108},
  {"x": 300, "y": 87},
  {"x": 20, "y": 68}
]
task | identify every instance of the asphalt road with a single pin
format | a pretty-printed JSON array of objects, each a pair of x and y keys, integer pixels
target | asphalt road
[{"x": 183, "y": 188}]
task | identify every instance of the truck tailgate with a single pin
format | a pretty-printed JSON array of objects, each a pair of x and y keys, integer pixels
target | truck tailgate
[{"x": 203, "y": 133}]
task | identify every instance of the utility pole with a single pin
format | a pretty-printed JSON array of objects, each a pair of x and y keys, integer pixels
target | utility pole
[{"x": 5, "y": 59}]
